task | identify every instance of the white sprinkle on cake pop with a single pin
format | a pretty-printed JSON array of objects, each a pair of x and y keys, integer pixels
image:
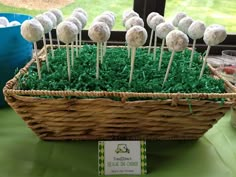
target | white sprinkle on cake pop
[
  {"x": 4, "y": 21},
  {"x": 32, "y": 30},
  {"x": 150, "y": 16},
  {"x": 14, "y": 23},
  {"x": 134, "y": 21},
  {"x": 58, "y": 14},
  {"x": 45, "y": 22},
  {"x": 176, "y": 41},
  {"x": 196, "y": 29},
  {"x": 177, "y": 18},
  {"x": 184, "y": 24},
  {"x": 99, "y": 32},
  {"x": 214, "y": 34},
  {"x": 163, "y": 29},
  {"x": 156, "y": 20},
  {"x": 128, "y": 14},
  {"x": 81, "y": 17},
  {"x": 52, "y": 17},
  {"x": 81, "y": 11},
  {"x": 67, "y": 32},
  {"x": 136, "y": 36},
  {"x": 106, "y": 19}
]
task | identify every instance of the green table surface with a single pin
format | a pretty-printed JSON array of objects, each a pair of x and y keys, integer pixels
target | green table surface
[{"x": 22, "y": 154}]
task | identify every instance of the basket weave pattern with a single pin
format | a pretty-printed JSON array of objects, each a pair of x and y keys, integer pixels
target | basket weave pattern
[{"x": 167, "y": 116}]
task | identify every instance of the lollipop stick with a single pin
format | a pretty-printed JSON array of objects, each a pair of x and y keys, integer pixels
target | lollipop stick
[
  {"x": 133, "y": 50},
  {"x": 45, "y": 50},
  {"x": 68, "y": 60},
  {"x": 150, "y": 42},
  {"x": 104, "y": 48},
  {"x": 37, "y": 60},
  {"x": 50, "y": 38},
  {"x": 72, "y": 54},
  {"x": 193, "y": 49},
  {"x": 155, "y": 47},
  {"x": 128, "y": 48},
  {"x": 204, "y": 61},
  {"x": 168, "y": 68},
  {"x": 76, "y": 44},
  {"x": 162, "y": 47},
  {"x": 58, "y": 42},
  {"x": 97, "y": 64},
  {"x": 101, "y": 53},
  {"x": 80, "y": 39}
]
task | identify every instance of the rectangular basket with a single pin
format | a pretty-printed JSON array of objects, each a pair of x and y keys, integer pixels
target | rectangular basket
[{"x": 165, "y": 116}]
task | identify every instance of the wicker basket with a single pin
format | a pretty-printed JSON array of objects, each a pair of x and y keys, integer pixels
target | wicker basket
[{"x": 173, "y": 116}]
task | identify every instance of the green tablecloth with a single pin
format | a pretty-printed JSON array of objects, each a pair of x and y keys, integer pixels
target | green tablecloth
[{"x": 22, "y": 154}]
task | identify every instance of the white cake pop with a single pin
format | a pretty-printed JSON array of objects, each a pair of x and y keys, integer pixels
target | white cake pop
[
  {"x": 32, "y": 31},
  {"x": 176, "y": 41},
  {"x": 135, "y": 37},
  {"x": 213, "y": 35},
  {"x": 184, "y": 24},
  {"x": 47, "y": 26},
  {"x": 67, "y": 32},
  {"x": 134, "y": 21},
  {"x": 111, "y": 14},
  {"x": 79, "y": 26},
  {"x": 4, "y": 21},
  {"x": 128, "y": 14},
  {"x": 161, "y": 32},
  {"x": 99, "y": 32},
  {"x": 81, "y": 11},
  {"x": 58, "y": 14},
  {"x": 106, "y": 19},
  {"x": 177, "y": 18},
  {"x": 156, "y": 20},
  {"x": 81, "y": 17},
  {"x": 150, "y": 16},
  {"x": 195, "y": 31},
  {"x": 53, "y": 18},
  {"x": 14, "y": 23}
]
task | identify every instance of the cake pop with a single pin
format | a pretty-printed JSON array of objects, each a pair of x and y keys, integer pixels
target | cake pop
[
  {"x": 81, "y": 11},
  {"x": 67, "y": 32},
  {"x": 156, "y": 20},
  {"x": 184, "y": 24},
  {"x": 161, "y": 31},
  {"x": 53, "y": 18},
  {"x": 195, "y": 31},
  {"x": 136, "y": 36},
  {"x": 176, "y": 41},
  {"x": 79, "y": 27},
  {"x": 59, "y": 16},
  {"x": 4, "y": 21},
  {"x": 134, "y": 21},
  {"x": 47, "y": 26},
  {"x": 111, "y": 14},
  {"x": 213, "y": 35},
  {"x": 32, "y": 31},
  {"x": 99, "y": 32},
  {"x": 177, "y": 18},
  {"x": 128, "y": 14},
  {"x": 14, "y": 23}
]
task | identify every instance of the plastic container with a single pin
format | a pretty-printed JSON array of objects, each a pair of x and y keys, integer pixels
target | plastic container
[{"x": 15, "y": 51}]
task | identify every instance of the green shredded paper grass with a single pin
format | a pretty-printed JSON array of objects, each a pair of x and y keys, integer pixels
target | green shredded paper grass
[{"x": 115, "y": 70}]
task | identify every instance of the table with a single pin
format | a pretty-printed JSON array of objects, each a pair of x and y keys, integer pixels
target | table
[{"x": 22, "y": 154}]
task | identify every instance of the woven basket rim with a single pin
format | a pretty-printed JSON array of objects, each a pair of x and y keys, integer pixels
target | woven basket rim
[{"x": 9, "y": 88}]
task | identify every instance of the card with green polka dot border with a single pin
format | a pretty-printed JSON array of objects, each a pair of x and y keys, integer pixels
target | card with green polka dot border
[{"x": 122, "y": 158}]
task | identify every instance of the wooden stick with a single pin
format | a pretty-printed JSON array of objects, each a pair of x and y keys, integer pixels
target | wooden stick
[
  {"x": 162, "y": 48},
  {"x": 97, "y": 65},
  {"x": 50, "y": 38},
  {"x": 133, "y": 51},
  {"x": 72, "y": 54},
  {"x": 168, "y": 68},
  {"x": 68, "y": 61},
  {"x": 37, "y": 60},
  {"x": 155, "y": 47},
  {"x": 45, "y": 50},
  {"x": 193, "y": 49},
  {"x": 204, "y": 61},
  {"x": 150, "y": 42}
]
